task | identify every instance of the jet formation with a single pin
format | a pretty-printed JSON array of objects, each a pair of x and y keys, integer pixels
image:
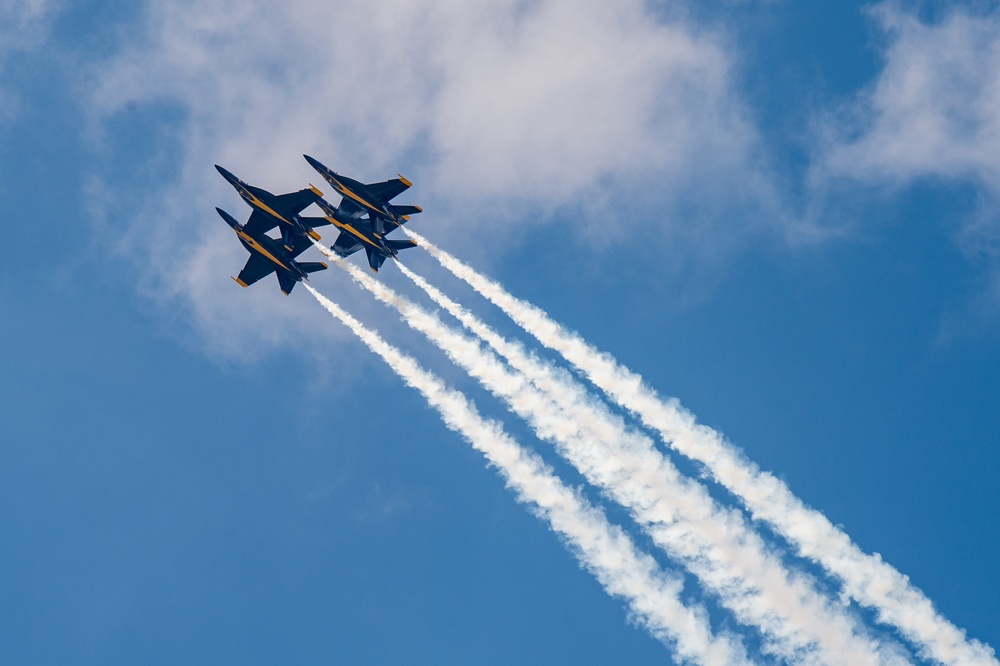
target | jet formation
[{"x": 364, "y": 217}]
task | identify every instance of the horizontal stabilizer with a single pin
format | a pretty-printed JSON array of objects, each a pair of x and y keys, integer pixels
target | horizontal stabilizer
[
  {"x": 375, "y": 260},
  {"x": 406, "y": 210},
  {"x": 400, "y": 244},
  {"x": 299, "y": 245},
  {"x": 312, "y": 266}
]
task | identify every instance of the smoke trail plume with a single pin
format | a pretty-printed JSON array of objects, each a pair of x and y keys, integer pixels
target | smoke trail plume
[
  {"x": 713, "y": 543},
  {"x": 868, "y": 579},
  {"x": 602, "y": 548}
]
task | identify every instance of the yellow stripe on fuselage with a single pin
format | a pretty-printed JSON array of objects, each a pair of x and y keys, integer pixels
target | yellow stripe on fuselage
[
  {"x": 260, "y": 248},
  {"x": 257, "y": 203},
  {"x": 354, "y": 232},
  {"x": 351, "y": 195}
]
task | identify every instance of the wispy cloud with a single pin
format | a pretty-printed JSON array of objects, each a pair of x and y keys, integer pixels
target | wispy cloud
[
  {"x": 522, "y": 112},
  {"x": 932, "y": 116},
  {"x": 24, "y": 26},
  {"x": 932, "y": 112}
]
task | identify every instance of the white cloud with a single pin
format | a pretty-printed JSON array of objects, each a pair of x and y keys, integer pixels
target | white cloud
[
  {"x": 502, "y": 113},
  {"x": 23, "y": 23},
  {"x": 24, "y": 26},
  {"x": 932, "y": 115},
  {"x": 934, "y": 110}
]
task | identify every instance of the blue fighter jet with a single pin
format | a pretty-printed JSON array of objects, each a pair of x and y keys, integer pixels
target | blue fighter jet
[
  {"x": 268, "y": 255},
  {"x": 372, "y": 198},
  {"x": 272, "y": 210},
  {"x": 358, "y": 232}
]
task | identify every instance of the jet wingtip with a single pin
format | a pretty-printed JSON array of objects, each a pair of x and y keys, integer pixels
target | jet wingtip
[{"x": 239, "y": 282}]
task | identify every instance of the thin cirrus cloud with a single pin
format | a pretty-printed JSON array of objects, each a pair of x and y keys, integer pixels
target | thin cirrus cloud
[{"x": 24, "y": 26}]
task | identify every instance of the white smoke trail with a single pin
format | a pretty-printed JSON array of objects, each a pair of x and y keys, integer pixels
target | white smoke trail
[
  {"x": 714, "y": 544},
  {"x": 602, "y": 548},
  {"x": 327, "y": 252},
  {"x": 868, "y": 579}
]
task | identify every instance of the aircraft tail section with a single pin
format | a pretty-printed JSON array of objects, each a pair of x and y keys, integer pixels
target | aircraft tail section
[
  {"x": 375, "y": 260},
  {"x": 312, "y": 266},
  {"x": 405, "y": 210},
  {"x": 285, "y": 282},
  {"x": 400, "y": 244},
  {"x": 313, "y": 222}
]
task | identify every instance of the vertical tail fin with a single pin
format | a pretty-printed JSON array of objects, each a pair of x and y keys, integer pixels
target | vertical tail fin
[{"x": 375, "y": 260}]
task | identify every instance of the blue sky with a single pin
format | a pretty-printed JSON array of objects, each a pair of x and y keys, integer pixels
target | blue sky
[{"x": 784, "y": 216}]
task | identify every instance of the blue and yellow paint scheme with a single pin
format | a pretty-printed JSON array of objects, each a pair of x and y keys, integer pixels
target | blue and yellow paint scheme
[
  {"x": 358, "y": 231},
  {"x": 277, "y": 210},
  {"x": 371, "y": 198},
  {"x": 269, "y": 255}
]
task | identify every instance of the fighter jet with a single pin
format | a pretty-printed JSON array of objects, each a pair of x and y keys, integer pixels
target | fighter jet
[
  {"x": 268, "y": 255},
  {"x": 373, "y": 198},
  {"x": 356, "y": 232},
  {"x": 271, "y": 210}
]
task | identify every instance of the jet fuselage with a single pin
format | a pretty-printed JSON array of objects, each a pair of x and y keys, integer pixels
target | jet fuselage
[
  {"x": 274, "y": 256},
  {"x": 270, "y": 204},
  {"x": 357, "y": 192},
  {"x": 358, "y": 227}
]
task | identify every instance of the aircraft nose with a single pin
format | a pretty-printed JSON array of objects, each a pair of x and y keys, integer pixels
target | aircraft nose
[
  {"x": 316, "y": 164},
  {"x": 228, "y": 218},
  {"x": 225, "y": 174}
]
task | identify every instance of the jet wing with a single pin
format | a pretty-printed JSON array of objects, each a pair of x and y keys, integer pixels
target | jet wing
[
  {"x": 259, "y": 223},
  {"x": 300, "y": 244},
  {"x": 375, "y": 259},
  {"x": 346, "y": 244},
  {"x": 296, "y": 202},
  {"x": 256, "y": 268},
  {"x": 350, "y": 208},
  {"x": 391, "y": 226},
  {"x": 389, "y": 189}
]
